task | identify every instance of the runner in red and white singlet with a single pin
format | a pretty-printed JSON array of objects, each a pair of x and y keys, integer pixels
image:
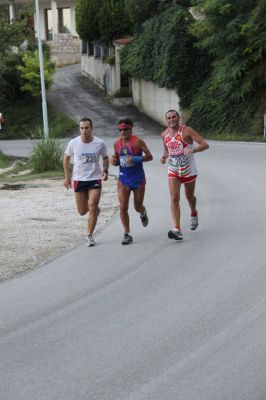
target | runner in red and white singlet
[
  {"x": 180, "y": 165},
  {"x": 178, "y": 140}
]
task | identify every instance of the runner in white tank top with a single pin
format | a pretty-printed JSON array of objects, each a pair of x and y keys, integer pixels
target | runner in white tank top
[
  {"x": 178, "y": 141},
  {"x": 180, "y": 165}
]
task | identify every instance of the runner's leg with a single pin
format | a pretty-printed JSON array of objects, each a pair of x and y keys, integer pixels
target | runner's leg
[
  {"x": 174, "y": 187},
  {"x": 123, "y": 196},
  {"x": 191, "y": 198},
  {"x": 138, "y": 199},
  {"x": 82, "y": 202},
  {"x": 94, "y": 198}
]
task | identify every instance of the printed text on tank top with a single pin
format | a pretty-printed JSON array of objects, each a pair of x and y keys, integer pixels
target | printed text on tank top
[{"x": 179, "y": 163}]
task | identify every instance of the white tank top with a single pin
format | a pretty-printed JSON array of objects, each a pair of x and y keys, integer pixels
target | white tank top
[{"x": 179, "y": 163}]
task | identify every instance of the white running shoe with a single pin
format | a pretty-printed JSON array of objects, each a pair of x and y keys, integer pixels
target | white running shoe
[
  {"x": 194, "y": 223},
  {"x": 90, "y": 241}
]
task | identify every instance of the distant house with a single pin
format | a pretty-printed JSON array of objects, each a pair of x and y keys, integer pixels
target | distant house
[{"x": 57, "y": 27}]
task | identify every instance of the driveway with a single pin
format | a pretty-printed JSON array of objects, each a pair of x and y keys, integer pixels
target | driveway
[{"x": 78, "y": 97}]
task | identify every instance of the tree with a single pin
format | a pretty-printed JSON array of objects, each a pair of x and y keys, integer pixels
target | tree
[
  {"x": 87, "y": 19},
  {"x": 234, "y": 97},
  {"x": 113, "y": 19},
  {"x": 165, "y": 53},
  {"x": 30, "y": 72},
  {"x": 102, "y": 20},
  {"x": 12, "y": 35}
]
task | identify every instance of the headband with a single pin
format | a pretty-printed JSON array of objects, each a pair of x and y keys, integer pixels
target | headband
[{"x": 124, "y": 126}]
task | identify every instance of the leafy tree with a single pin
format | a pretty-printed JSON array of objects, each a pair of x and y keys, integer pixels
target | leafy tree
[
  {"x": 102, "y": 20},
  {"x": 12, "y": 35},
  {"x": 88, "y": 20},
  {"x": 10, "y": 79},
  {"x": 113, "y": 20},
  {"x": 30, "y": 72},
  {"x": 141, "y": 10},
  {"x": 165, "y": 53},
  {"x": 234, "y": 98}
]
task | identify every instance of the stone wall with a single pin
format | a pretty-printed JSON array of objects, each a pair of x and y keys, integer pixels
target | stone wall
[{"x": 66, "y": 49}]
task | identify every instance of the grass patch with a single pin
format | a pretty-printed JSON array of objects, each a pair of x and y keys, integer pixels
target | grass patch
[
  {"x": 227, "y": 137},
  {"x": 24, "y": 117},
  {"x": 5, "y": 161},
  {"x": 47, "y": 155},
  {"x": 22, "y": 171}
]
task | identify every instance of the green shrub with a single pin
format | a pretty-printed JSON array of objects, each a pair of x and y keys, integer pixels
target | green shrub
[
  {"x": 46, "y": 155},
  {"x": 122, "y": 92},
  {"x": 110, "y": 59},
  {"x": 165, "y": 53}
]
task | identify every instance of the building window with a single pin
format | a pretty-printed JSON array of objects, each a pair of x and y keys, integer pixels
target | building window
[
  {"x": 90, "y": 49},
  {"x": 48, "y": 24},
  {"x": 64, "y": 20}
]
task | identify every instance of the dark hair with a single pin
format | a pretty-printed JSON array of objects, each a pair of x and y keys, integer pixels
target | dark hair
[
  {"x": 127, "y": 121},
  {"x": 85, "y": 119},
  {"x": 172, "y": 111}
]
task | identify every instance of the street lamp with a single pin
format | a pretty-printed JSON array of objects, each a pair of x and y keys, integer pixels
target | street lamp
[{"x": 44, "y": 104}]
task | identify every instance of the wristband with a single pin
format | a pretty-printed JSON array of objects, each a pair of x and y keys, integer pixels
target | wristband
[
  {"x": 136, "y": 159},
  {"x": 105, "y": 171}
]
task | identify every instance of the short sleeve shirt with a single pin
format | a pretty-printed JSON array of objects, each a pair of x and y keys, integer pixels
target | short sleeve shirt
[{"x": 86, "y": 156}]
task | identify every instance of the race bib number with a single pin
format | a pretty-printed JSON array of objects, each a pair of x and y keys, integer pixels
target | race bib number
[
  {"x": 178, "y": 161},
  {"x": 124, "y": 162},
  {"x": 86, "y": 162}
]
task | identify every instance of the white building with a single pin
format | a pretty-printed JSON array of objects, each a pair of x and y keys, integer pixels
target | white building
[{"x": 57, "y": 27}]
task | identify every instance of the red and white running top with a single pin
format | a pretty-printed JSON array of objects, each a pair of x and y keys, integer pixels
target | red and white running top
[{"x": 179, "y": 164}]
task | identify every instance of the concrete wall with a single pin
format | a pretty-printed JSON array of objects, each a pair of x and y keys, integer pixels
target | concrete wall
[
  {"x": 152, "y": 100},
  {"x": 102, "y": 73},
  {"x": 148, "y": 97}
]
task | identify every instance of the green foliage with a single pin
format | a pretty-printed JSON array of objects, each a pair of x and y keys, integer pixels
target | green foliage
[
  {"x": 102, "y": 20},
  {"x": 87, "y": 19},
  {"x": 10, "y": 79},
  {"x": 165, "y": 53},
  {"x": 234, "y": 98},
  {"x": 110, "y": 59},
  {"x": 122, "y": 92},
  {"x": 30, "y": 72},
  {"x": 24, "y": 116},
  {"x": 47, "y": 155},
  {"x": 13, "y": 36},
  {"x": 113, "y": 20},
  {"x": 141, "y": 10},
  {"x": 5, "y": 160}
]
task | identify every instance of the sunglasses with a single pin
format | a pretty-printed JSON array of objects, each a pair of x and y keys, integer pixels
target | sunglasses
[{"x": 124, "y": 129}]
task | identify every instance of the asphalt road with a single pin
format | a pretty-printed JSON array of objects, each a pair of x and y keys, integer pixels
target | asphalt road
[{"x": 156, "y": 320}]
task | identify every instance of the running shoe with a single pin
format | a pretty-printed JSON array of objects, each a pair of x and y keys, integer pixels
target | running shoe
[
  {"x": 144, "y": 218},
  {"x": 175, "y": 234},
  {"x": 194, "y": 223},
  {"x": 127, "y": 239},
  {"x": 90, "y": 241}
]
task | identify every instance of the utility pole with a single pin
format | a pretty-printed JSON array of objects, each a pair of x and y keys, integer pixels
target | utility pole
[{"x": 44, "y": 104}]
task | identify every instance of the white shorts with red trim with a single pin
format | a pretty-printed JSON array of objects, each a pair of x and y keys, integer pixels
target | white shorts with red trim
[{"x": 182, "y": 179}]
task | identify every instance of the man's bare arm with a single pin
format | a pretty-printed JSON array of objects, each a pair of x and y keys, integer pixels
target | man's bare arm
[{"x": 66, "y": 163}]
